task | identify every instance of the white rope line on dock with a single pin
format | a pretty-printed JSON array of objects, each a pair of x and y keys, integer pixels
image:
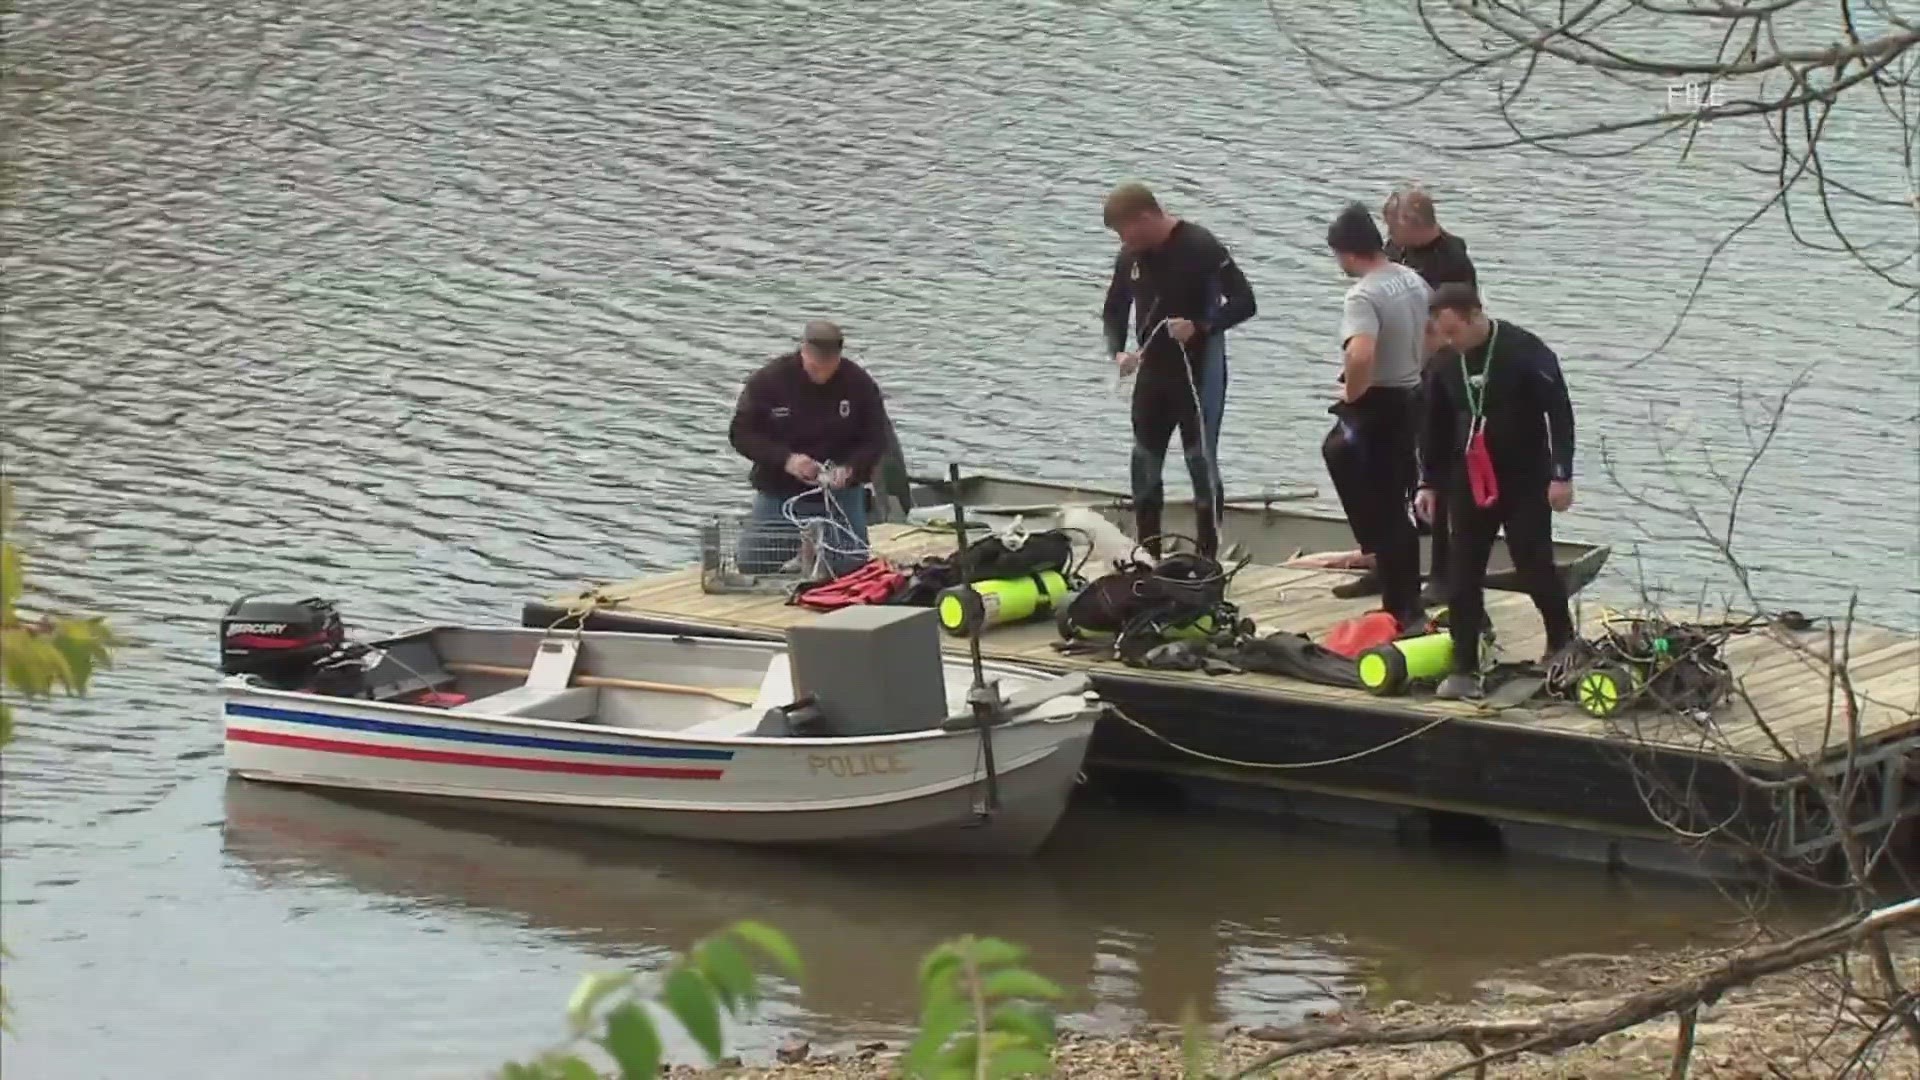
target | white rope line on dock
[{"x": 1355, "y": 756}]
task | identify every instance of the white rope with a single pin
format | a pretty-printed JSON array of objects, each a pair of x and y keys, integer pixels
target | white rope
[{"x": 835, "y": 518}]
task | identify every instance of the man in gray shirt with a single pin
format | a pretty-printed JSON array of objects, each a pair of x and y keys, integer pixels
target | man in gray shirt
[{"x": 1370, "y": 451}]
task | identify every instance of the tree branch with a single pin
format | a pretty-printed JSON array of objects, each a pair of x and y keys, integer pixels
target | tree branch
[{"x": 1552, "y": 1034}]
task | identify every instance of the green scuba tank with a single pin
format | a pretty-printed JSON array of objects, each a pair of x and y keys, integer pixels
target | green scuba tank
[
  {"x": 1390, "y": 668},
  {"x": 1000, "y": 601}
]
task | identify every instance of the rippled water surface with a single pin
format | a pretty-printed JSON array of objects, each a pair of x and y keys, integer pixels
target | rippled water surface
[{"x": 434, "y": 307}]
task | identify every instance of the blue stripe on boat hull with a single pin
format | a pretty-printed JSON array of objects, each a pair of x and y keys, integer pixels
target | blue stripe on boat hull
[{"x": 489, "y": 738}]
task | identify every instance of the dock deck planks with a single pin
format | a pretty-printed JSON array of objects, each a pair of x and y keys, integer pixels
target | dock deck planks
[{"x": 1782, "y": 680}]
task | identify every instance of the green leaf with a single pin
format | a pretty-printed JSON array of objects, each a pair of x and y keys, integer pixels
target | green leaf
[
  {"x": 572, "y": 1068},
  {"x": 938, "y": 1023},
  {"x": 940, "y": 975},
  {"x": 960, "y": 1056},
  {"x": 1033, "y": 1025},
  {"x": 633, "y": 1042},
  {"x": 1019, "y": 983},
  {"x": 1019, "y": 1061},
  {"x": 1195, "y": 1048},
  {"x": 772, "y": 942},
  {"x": 12, "y": 579},
  {"x": 689, "y": 997},
  {"x": 939, "y": 963},
  {"x": 726, "y": 967},
  {"x": 993, "y": 952},
  {"x": 593, "y": 989}
]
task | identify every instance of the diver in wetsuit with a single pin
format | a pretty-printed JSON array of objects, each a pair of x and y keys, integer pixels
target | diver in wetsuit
[
  {"x": 1370, "y": 453},
  {"x": 1501, "y": 380},
  {"x": 1415, "y": 239},
  {"x": 1185, "y": 292}
]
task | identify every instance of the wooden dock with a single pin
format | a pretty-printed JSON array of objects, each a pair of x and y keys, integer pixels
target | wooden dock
[{"x": 1545, "y": 775}]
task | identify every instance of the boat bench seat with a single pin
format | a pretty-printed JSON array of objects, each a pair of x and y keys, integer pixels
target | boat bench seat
[
  {"x": 570, "y": 704},
  {"x": 776, "y": 689}
]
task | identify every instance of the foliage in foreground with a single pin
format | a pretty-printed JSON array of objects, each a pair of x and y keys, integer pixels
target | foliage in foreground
[
  {"x": 47, "y": 653},
  {"x": 719, "y": 974},
  {"x": 41, "y": 655},
  {"x": 983, "y": 1015}
]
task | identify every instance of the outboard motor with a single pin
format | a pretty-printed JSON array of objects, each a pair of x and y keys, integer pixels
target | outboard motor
[{"x": 280, "y": 641}]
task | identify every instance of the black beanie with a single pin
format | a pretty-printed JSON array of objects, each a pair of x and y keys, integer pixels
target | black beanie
[{"x": 1354, "y": 233}]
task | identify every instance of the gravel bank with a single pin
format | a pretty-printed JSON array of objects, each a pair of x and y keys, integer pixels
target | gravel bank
[{"x": 1784, "y": 1020}]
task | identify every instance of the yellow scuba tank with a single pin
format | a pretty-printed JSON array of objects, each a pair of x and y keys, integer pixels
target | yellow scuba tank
[
  {"x": 1389, "y": 668},
  {"x": 1001, "y": 601}
]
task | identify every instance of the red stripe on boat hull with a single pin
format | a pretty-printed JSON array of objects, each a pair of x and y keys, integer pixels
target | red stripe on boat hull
[{"x": 455, "y": 757}]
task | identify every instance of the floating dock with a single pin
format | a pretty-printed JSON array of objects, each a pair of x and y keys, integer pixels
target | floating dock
[{"x": 1545, "y": 777}]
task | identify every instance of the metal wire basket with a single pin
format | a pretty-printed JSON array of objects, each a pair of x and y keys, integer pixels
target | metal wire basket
[{"x": 741, "y": 555}]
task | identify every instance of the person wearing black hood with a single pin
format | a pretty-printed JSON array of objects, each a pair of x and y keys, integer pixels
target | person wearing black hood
[{"x": 1370, "y": 452}]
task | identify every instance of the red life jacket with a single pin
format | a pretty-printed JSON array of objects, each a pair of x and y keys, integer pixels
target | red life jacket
[{"x": 874, "y": 583}]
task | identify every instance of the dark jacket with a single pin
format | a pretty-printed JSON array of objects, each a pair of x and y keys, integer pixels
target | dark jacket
[
  {"x": 1441, "y": 261},
  {"x": 782, "y": 412},
  {"x": 1529, "y": 418}
]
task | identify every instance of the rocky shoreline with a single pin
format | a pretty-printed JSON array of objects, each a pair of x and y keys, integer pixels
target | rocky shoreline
[{"x": 1784, "y": 1021}]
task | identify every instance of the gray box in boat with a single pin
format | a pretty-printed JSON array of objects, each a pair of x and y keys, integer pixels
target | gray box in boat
[{"x": 873, "y": 669}]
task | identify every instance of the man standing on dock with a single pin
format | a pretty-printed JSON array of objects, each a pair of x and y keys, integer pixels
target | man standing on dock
[
  {"x": 815, "y": 426},
  {"x": 1370, "y": 452},
  {"x": 1185, "y": 292},
  {"x": 1498, "y": 453},
  {"x": 1415, "y": 239}
]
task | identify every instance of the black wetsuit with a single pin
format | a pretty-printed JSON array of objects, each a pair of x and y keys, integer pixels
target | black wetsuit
[
  {"x": 1529, "y": 432},
  {"x": 782, "y": 411},
  {"x": 1189, "y": 276},
  {"x": 1441, "y": 260}
]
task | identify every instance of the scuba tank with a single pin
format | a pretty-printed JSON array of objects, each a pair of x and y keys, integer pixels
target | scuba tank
[
  {"x": 964, "y": 608},
  {"x": 1427, "y": 658},
  {"x": 1389, "y": 668}
]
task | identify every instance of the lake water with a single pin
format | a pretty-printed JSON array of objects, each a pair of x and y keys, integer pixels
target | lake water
[{"x": 436, "y": 308}]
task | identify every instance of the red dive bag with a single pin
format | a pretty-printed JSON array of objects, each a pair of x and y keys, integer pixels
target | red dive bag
[
  {"x": 1480, "y": 478},
  {"x": 1354, "y": 636}
]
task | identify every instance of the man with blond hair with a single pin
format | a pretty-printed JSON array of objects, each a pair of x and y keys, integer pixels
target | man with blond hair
[
  {"x": 1184, "y": 292},
  {"x": 1415, "y": 239}
]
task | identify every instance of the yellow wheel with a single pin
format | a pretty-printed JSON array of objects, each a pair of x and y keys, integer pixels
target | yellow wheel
[{"x": 1602, "y": 690}]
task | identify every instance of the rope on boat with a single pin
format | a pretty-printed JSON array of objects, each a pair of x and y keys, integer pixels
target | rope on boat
[
  {"x": 1343, "y": 759},
  {"x": 583, "y": 607}
]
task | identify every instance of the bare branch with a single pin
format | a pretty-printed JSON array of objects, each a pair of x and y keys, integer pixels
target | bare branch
[
  {"x": 1551, "y": 1034},
  {"x": 1507, "y": 46}
]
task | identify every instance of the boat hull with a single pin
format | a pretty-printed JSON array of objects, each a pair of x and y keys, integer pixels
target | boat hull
[
  {"x": 1031, "y": 801},
  {"x": 911, "y": 792}
]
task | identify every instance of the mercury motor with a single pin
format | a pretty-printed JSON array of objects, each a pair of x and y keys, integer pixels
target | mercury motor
[{"x": 279, "y": 641}]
